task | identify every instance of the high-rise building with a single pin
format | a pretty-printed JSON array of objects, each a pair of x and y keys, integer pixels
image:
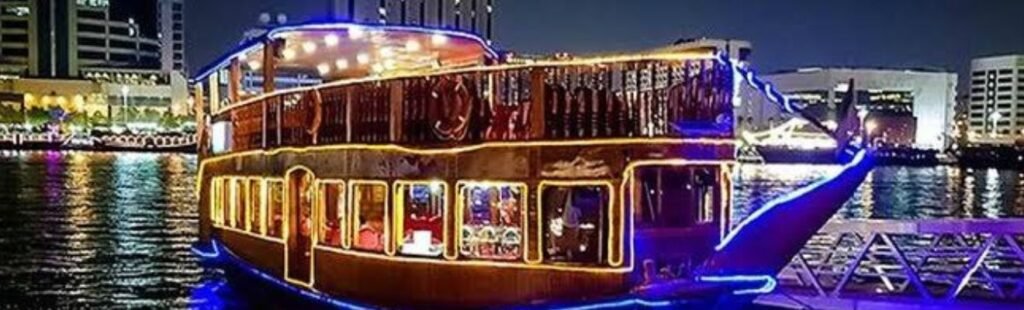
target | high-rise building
[
  {"x": 108, "y": 59},
  {"x": 475, "y": 16},
  {"x": 70, "y": 38},
  {"x": 172, "y": 35},
  {"x": 996, "y": 109}
]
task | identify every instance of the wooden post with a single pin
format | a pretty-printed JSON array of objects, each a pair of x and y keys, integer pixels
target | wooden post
[
  {"x": 199, "y": 107},
  {"x": 235, "y": 81},
  {"x": 270, "y": 50},
  {"x": 397, "y": 100},
  {"x": 537, "y": 104}
]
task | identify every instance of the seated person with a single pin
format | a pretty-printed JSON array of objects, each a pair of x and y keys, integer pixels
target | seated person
[{"x": 371, "y": 234}]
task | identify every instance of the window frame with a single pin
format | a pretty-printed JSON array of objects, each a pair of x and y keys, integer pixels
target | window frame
[
  {"x": 460, "y": 207},
  {"x": 268, "y": 182},
  {"x": 354, "y": 215},
  {"x": 610, "y": 209},
  {"x": 398, "y": 220},
  {"x": 344, "y": 211}
]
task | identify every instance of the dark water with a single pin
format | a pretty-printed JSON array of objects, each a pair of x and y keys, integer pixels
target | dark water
[{"x": 80, "y": 230}]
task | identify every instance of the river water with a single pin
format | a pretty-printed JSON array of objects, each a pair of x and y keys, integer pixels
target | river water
[{"x": 91, "y": 230}]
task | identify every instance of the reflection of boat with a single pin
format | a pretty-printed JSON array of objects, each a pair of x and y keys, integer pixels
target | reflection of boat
[{"x": 645, "y": 221}]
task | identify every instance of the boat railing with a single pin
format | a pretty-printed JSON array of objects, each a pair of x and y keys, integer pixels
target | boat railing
[
  {"x": 926, "y": 261},
  {"x": 648, "y": 96}
]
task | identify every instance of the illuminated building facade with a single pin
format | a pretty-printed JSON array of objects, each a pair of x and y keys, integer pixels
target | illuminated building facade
[
  {"x": 475, "y": 16},
  {"x": 905, "y": 107},
  {"x": 89, "y": 53},
  {"x": 996, "y": 104}
]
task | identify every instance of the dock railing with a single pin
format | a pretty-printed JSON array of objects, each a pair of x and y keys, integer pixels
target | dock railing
[{"x": 924, "y": 262}]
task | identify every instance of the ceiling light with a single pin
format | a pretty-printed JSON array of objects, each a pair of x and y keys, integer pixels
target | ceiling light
[
  {"x": 356, "y": 33},
  {"x": 412, "y": 46},
  {"x": 331, "y": 40},
  {"x": 363, "y": 58},
  {"x": 387, "y": 52},
  {"x": 438, "y": 39},
  {"x": 255, "y": 65},
  {"x": 323, "y": 68},
  {"x": 309, "y": 47},
  {"x": 341, "y": 64},
  {"x": 288, "y": 54}
]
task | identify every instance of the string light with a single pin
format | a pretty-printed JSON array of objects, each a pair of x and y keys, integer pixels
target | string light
[
  {"x": 341, "y": 64},
  {"x": 309, "y": 47},
  {"x": 331, "y": 40}
]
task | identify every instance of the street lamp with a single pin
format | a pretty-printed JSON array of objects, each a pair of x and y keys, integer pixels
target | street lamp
[
  {"x": 996, "y": 116},
  {"x": 124, "y": 103}
]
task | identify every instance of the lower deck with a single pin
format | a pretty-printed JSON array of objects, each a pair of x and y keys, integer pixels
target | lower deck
[{"x": 559, "y": 223}]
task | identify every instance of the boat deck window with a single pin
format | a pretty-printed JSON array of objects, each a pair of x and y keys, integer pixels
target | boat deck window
[
  {"x": 218, "y": 197},
  {"x": 574, "y": 224},
  {"x": 255, "y": 206},
  {"x": 369, "y": 205},
  {"x": 420, "y": 210},
  {"x": 677, "y": 197},
  {"x": 240, "y": 193},
  {"x": 492, "y": 221},
  {"x": 275, "y": 208},
  {"x": 332, "y": 224}
]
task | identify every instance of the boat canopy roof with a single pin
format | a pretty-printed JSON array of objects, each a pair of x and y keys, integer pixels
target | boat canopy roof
[{"x": 341, "y": 50}]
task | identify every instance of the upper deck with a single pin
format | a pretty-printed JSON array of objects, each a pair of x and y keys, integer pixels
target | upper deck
[{"x": 454, "y": 94}]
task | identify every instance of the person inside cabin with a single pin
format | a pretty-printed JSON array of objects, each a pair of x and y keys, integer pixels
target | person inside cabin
[
  {"x": 332, "y": 235},
  {"x": 371, "y": 233},
  {"x": 564, "y": 227}
]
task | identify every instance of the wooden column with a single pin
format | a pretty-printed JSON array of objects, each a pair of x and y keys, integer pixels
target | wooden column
[
  {"x": 270, "y": 51},
  {"x": 537, "y": 102},
  {"x": 235, "y": 81},
  {"x": 397, "y": 99},
  {"x": 199, "y": 108}
]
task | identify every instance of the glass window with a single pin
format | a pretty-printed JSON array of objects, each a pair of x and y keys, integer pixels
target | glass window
[
  {"x": 332, "y": 224},
  {"x": 492, "y": 221},
  {"x": 241, "y": 192},
  {"x": 677, "y": 196},
  {"x": 218, "y": 197},
  {"x": 275, "y": 208},
  {"x": 369, "y": 207},
  {"x": 574, "y": 224},
  {"x": 421, "y": 208},
  {"x": 255, "y": 206}
]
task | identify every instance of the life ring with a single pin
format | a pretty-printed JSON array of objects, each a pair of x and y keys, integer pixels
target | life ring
[{"x": 453, "y": 110}]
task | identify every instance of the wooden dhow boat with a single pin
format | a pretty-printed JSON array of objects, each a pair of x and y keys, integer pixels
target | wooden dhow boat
[{"x": 352, "y": 165}]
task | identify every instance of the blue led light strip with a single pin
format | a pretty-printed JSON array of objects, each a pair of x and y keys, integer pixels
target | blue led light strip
[
  {"x": 768, "y": 283},
  {"x": 759, "y": 84},
  {"x": 311, "y": 295},
  {"x": 787, "y": 198}
]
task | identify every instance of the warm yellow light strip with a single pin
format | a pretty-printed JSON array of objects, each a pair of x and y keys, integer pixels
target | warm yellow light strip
[
  {"x": 669, "y": 56},
  {"x": 464, "y": 149}
]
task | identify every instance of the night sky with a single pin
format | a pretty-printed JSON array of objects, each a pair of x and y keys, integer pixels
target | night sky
[{"x": 935, "y": 34}]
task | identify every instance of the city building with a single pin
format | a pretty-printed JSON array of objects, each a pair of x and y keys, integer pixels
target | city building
[
  {"x": 475, "y": 16},
  {"x": 904, "y": 107},
  {"x": 90, "y": 53},
  {"x": 996, "y": 109},
  {"x": 172, "y": 35}
]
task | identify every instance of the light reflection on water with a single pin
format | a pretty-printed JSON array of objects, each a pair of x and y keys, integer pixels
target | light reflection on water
[
  {"x": 89, "y": 230},
  {"x": 894, "y": 192}
]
